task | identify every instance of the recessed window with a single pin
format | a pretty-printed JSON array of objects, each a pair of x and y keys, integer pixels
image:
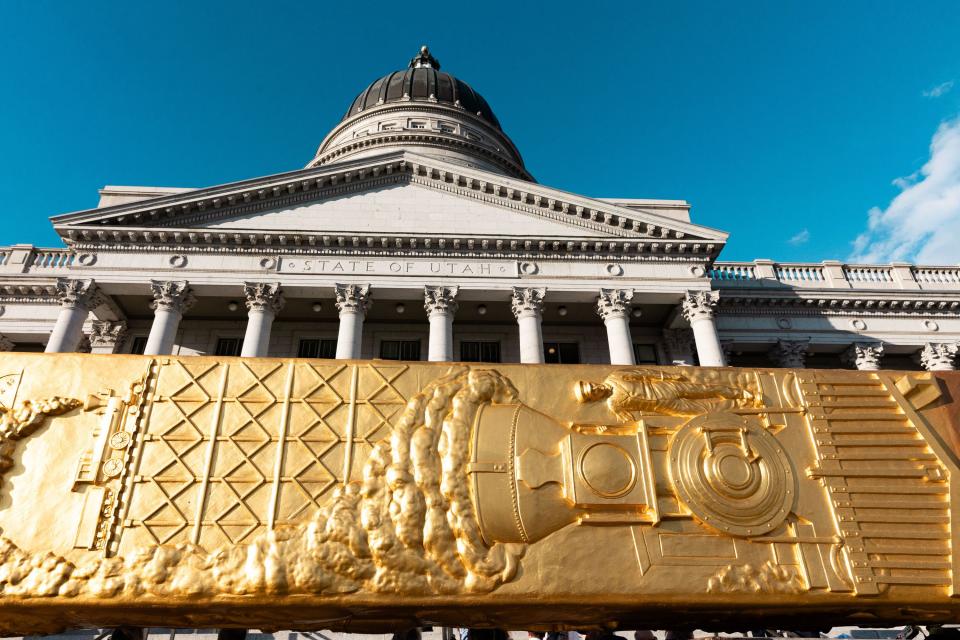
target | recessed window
[
  {"x": 227, "y": 347},
  {"x": 561, "y": 353},
  {"x": 400, "y": 349},
  {"x": 388, "y": 126},
  {"x": 139, "y": 345},
  {"x": 418, "y": 124},
  {"x": 479, "y": 351},
  {"x": 644, "y": 353},
  {"x": 447, "y": 128},
  {"x": 317, "y": 348}
]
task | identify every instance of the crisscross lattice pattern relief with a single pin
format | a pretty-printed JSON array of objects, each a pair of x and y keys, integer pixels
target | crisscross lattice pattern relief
[{"x": 211, "y": 471}]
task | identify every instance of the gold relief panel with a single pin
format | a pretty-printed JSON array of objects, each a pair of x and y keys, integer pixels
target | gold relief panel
[{"x": 371, "y": 494}]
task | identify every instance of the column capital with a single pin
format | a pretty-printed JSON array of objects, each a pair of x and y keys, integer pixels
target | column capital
[
  {"x": 440, "y": 299},
  {"x": 353, "y": 298},
  {"x": 78, "y": 294},
  {"x": 526, "y": 301},
  {"x": 790, "y": 354},
  {"x": 614, "y": 303},
  {"x": 264, "y": 296},
  {"x": 172, "y": 295},
  {"x": 939, "y": 356},
  {"x": 6, "y": 344},
  {"x": 699, "y": 305},
  {"x": 108, "y": 333},
  {"x": 864, "y": 356}
]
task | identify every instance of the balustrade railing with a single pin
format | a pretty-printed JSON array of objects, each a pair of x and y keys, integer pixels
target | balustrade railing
[
  {"x": 799, "y": 272},
  {"x": 834, "y": 275},
  {"x": 937, "y": 275},
  {"x": 733, "y": 271},
  {"x": 868, "y": 273},
  {"x": 51, "y": 259}
]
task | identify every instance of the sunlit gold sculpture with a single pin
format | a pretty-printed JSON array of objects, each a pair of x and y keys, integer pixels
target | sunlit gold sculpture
[{"x": 379, "y": 495}]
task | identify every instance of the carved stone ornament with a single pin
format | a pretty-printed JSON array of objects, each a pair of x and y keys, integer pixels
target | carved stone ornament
[
  {"x": 699, "y": 305},
  {"x": 440, "y": 299},
  {"x": 864, "y": 356},
  {"x": 614, "y": 303},
  {"x": 789, "y": 354},
  {"x": 108, "y": 333},
  {"x": 6, "y": 344},
  {"x": 527, "y": 301},
  {"x": 366, "y": 495},
  {"x": 353, "y": 298},
  {"x": 172, "y": 295},
  {"x": 264, "y": 296},
  {"x": 939, "y": 356},
  {"x": 72, "y": 293}
]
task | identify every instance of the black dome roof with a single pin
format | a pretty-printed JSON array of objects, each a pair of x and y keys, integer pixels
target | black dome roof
[{"x": 423, "y": 81}]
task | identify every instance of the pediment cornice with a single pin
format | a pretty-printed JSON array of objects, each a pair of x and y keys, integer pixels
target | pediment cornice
[{"x": 177, "y": 217}]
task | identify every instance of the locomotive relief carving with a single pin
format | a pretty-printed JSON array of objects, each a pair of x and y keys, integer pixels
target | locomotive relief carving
[{"x": 198, "y": 478}]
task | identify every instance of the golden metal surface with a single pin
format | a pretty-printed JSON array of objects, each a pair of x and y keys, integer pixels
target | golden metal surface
[{"x": 369, "y": 495}]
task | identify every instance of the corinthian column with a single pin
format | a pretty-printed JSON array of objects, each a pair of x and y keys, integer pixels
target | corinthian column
[
  {"x": 939, "y": 356},
  {"x": 171, "y": 300},
  {"x": 77, "y": 298},
  {"x": 864, "y": 356},
  {"x": 353, "y": 302},
  {"x": 790, "y": 354},
  {"x": 527, "y": 307},
  {"x": 698, "y": 310},
  {"x": 613, "y": 305},
  {"x": 441, "y": 305},
  {"x": 107, "y": 336},
  {"x": 264, "y": 301}
]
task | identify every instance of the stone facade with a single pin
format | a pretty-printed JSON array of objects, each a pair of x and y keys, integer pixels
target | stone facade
[{"x": 417, "y": 233}]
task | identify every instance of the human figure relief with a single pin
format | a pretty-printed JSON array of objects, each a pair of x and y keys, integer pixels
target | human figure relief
[{"x": 666, "y": 392}]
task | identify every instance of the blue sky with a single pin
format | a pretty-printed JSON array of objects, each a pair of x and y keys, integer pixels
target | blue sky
[{"x": 790, "y": 125}]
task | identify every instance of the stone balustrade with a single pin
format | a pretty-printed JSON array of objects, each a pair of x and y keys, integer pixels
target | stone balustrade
[
  {"x": 25, "y": 258},
  {"x": 832, "y": 274}
]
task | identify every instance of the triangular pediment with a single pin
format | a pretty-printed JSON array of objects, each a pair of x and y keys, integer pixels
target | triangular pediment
[
  {"x": 395, "y": 193},
  {"x": 412, "y": 208}
]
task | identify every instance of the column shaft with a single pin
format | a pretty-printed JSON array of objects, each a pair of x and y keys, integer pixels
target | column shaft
[
  {"x": 531, "y": 338},
  {"x": 68, "y": 330},
  {"x": 697, "y": 308},
  {"x": 705, "y": 335},
  {"x": 264, "y": 302},
  {"x": 440, "y": 304},
  {"x": 614, "y": 306},
  {"x": 441, "y": 337},
  {"x": 256, "y": 340},
  {"x": 170, "y": 300},
  {"x": 527, "y": 307},
  {"x": 77, "y": 298},
  {"x": 350, "y": 335},
  {"x": 163, "y": 332},
  {"x": 353, "y": 302},
  {"x": 619, "y": 339}
]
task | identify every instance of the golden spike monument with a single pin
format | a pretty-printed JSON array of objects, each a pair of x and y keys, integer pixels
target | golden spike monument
[{"x": 375, "y": 495}]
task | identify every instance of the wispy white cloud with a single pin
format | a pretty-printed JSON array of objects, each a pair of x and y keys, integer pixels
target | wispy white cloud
[
  {"x": 800, "y": 238},
  {"x": 922, "y": 223},
  {"x": 939, "y": 90}
]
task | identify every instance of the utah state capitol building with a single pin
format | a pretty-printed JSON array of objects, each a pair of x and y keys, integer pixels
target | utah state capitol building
[{"x": 417, "y": 233}]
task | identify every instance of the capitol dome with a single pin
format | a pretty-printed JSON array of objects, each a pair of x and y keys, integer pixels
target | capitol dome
[{"x": 425, "y": 110}]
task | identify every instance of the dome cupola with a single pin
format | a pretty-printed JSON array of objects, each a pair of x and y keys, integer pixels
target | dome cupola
[{"x": 426, "y": 110}]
